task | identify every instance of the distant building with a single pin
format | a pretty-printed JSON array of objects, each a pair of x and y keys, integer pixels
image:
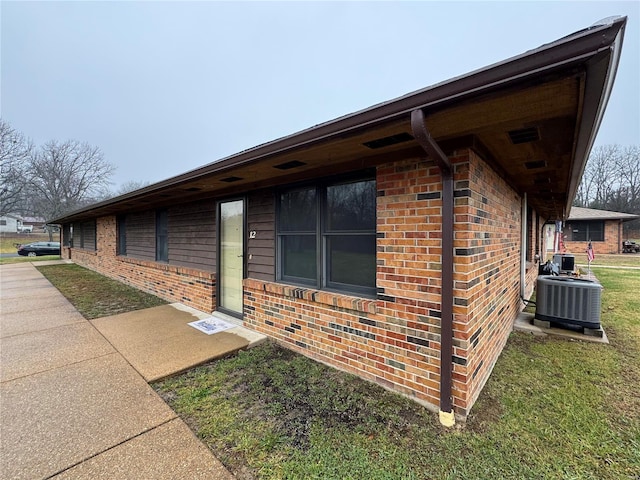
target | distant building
[
  {"x": 600, "y": 227},
  {"x": 9, "y": 223}
]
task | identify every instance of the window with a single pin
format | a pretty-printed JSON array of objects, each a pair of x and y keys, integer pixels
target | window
[
  {"x": 327, "y": 236},
  {"x": 585, "y": 231},
  {"x": 162, "y": 230},
  {"x": 88, "y": 235},
  {"x": 121, "y": 227},
  {"x": 83, "y": 235},
  {"x": 3, "y": 222},
  {"x": 66, "y": 235}
]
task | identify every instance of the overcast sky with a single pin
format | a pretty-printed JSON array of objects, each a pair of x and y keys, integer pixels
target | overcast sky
[{"x": 165, "y": 87}]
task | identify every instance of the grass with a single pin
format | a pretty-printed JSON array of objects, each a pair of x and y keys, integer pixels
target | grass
[
  {"x": 622, "y": 260},
  {"x": 8, "y": 243},
  {"x": 8, "y": 240},
  {"x": 552, "y": 409},
  {"x": 95, "y": 295},
  {"x": 42, "y": 258}
]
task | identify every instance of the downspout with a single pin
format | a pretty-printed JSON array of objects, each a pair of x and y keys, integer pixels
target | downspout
[
  {"x": 426, "y": 141},
  {"x": 523, "y": 245}
]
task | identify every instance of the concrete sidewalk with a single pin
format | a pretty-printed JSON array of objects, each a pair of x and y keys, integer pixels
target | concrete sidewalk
[{"x": 71, "y": 406}]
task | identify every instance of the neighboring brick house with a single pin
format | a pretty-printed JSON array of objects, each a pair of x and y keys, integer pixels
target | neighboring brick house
[
  {"x": 383, "y": 241},
  {"x": 600, "y": 227}
]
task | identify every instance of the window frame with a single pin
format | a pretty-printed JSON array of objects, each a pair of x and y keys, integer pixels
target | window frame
[
  {"x": 162, "y": 235},
  {"x": 67, "y": 235},
  {"x": 588, "y": 230},
  {"x": 322, "y": 235},
  {"x": 121, "y": 235}
]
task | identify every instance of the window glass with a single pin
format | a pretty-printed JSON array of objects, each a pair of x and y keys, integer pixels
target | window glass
[
  {"x": 596, "y": 231},
  {"x": 298, "y": 211},
  {"x": 352, "y": 206},
  {"x": 586, "y": 231},
  {"x": 299, "y": 256},
  {"x": 327, "y": 236},
  {"x": 162, "y": 228},
  {"x": 122, "y": 235},
  {"x": 352, "y": 260}
]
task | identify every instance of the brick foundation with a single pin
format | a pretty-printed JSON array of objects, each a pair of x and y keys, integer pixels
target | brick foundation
[
  {"x": 393, "y": 339},
  {"x": 173, "y": 283}
]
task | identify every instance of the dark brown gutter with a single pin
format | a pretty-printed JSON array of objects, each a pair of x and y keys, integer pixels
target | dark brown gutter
[
  {"x": 573, "y": 49},
  {"x": 426, "y": 141}
]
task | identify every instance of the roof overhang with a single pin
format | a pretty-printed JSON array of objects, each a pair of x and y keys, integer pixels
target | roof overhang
[
  {"x": 578, "y": 214},
  {"x": 533, "y": 117}
]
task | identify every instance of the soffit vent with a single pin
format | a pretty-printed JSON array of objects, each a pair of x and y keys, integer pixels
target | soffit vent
[
  {"x": 535, "y": 164},
  {"x": 230, "y": 179},
  {"x": 388, "y": 141},
  {"x": 289, "y": 165},
  {"x": 524, "y": 135},
  {"x": 542, "y": 181},
  {"x": 193, "y": 189}
]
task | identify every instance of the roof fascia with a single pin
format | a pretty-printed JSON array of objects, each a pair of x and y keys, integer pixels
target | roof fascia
[{"x": 572, "y": 49}]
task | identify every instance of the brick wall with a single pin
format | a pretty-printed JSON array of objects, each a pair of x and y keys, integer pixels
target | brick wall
[
  {"x": 612, "y": 240},
  {"x": 173, "y": 283},
  {"x": 393, "y": 339},
  {"x": 487, "y": 241}
]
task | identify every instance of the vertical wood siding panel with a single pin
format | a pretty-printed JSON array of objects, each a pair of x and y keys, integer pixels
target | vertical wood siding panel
[
  {"x": 141, "y": 235},
  {"x": 192, "y": 235},
  {"x": 261, "y": 218}
]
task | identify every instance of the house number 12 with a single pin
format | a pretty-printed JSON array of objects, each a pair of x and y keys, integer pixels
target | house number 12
[{"x": 253, "y": 234}]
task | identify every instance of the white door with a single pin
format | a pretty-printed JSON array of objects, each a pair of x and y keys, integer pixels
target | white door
[{"x": 230, "y": 256}]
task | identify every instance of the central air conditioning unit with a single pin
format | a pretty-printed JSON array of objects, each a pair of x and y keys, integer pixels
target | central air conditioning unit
[{"x": 569, "y": 301}]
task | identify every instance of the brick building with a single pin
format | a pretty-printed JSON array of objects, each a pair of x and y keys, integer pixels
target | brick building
[
  {"x": 600, "y": 227},
  {"x": 394, "y": 243}
]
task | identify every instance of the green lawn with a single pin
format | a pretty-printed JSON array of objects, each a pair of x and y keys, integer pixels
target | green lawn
[
  {"x": 552, "y": 409},
  {"x": 95, "y": 295},
  {"x": 8, "y": 240}
]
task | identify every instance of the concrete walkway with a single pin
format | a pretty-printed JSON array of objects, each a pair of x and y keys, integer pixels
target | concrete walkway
[{"x": 72, "y": 406}]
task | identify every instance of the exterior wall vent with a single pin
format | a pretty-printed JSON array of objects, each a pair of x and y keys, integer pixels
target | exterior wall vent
[
  {"x": 569, "y": 301},
  {"x": 289, "y": 165},
  {"x": 524, "y": 135},
  {"x": 535, "y": 164},
  {"x": 388, "y": 141}
]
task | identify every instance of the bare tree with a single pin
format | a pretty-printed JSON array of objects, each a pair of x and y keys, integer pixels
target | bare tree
[
  {"x": 65, "y": 176},
  {"x": 611, "y": 181},
  {"x": 628, "y": 171},
  {"x": 15, "y": 152},
  {"x": 130, "y": 186}
]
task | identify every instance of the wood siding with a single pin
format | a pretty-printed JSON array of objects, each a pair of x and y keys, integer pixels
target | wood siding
[
  {"x": 261, "y": 218},
  {"x": 192, "y": 235},
  {"x": 141, "y": 235},
  {"x": 84, "y": 235},
  {"x": 89, "y": 235}
]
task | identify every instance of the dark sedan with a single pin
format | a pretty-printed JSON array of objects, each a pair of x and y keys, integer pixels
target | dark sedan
[{"x": 39, "y": 248}]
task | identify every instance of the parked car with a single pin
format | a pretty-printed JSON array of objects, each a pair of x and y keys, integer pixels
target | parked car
[
  {"x": 39, "y": 248},
  {"x": 25, "y": 229}
]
